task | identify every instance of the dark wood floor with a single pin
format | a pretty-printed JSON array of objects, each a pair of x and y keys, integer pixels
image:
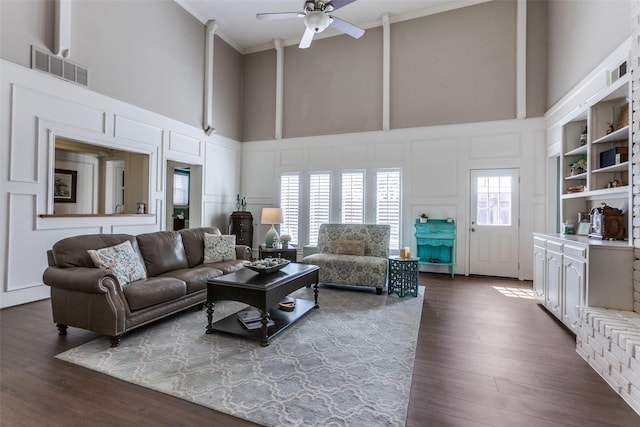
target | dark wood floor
[{"x": 482, "y": 359}]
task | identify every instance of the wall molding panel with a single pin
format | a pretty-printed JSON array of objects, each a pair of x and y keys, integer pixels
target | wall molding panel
[
  {"x": 435, "y": 163},
  {"x": 36, "y": 108}
]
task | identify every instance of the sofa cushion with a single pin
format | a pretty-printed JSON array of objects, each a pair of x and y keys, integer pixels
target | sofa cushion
[
  {"x": 376, "y": 236},
  {"x": 195, "y": 277},
  {"x": 72, "y": 251},
  {"x": 121, "y": 260},
  {"x": 152, "y": 291},
  {"x": 350, "y": 247},
  {"x": 162, "y": 251},
  {"x": 350, "y": 269},
  {"x": 193, "y": 242},
  {"x": 219, "y": 248}
]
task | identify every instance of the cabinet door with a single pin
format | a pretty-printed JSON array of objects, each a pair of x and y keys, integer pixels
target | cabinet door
[
  {"x": 554, "y": 283},
  {"x": 574, "y": 290},
  {"x": 539, "y": 273}
]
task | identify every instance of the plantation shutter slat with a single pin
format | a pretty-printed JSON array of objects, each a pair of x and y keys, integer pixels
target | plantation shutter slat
[
  {"x": 352, "y": 197},
  {"x": 388, "y": 203},
  {"x": 319, "y": 203},
  {"x": 290, "y": 205}
]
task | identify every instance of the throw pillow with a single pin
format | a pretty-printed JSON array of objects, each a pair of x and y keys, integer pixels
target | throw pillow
[
  {"x": 219, "y": 248},
  {"x": 121, "y": 260},
  {"x": 350, "y": 247}
]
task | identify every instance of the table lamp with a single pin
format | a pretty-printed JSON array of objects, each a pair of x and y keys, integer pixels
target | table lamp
[{"x": 271, "y": 216}]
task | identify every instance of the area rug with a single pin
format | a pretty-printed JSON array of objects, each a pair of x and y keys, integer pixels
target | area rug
[{"x": 348, "y": 363}]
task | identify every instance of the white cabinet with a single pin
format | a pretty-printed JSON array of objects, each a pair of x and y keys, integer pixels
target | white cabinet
[
  {"x": 539, "y": 269},
  {"x": 574, "y": 271},
  {"x": 554, "y": 278}
]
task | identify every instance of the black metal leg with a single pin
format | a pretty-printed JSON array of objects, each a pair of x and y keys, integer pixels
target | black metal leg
[
  {"x": 62, "y": 329},
  {"x": 210, "y": 307}
]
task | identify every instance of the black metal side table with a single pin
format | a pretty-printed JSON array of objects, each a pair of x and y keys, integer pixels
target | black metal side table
[{"x": 403, "y": 276}]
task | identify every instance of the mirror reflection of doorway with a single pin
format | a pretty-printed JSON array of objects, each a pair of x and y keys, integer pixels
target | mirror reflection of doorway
[
  {"x": 181, "y": 197},
  {"x": 114, "y": 190},
  {"x": 184, "y": 195}
]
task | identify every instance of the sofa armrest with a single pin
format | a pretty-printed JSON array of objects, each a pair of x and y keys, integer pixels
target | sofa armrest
[
  {"x": 243, "y": 252},
  {"x": 80, "y": 279}
]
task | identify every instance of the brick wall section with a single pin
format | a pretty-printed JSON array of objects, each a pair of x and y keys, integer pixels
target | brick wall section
[
  {"x": 609, "y": 340},
  {"x": 634, "y": 67}
]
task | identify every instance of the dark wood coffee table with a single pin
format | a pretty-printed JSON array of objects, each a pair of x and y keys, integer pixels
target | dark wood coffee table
[{"x": 264, "y": 292}]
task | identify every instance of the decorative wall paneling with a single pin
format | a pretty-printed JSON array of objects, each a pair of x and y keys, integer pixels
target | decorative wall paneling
[
  {"x": 435, "y": 163},
  {"x": 35, "y": 108}
]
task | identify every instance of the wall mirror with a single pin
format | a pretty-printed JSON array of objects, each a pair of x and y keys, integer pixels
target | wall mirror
[{"x": 92, "y": 179}]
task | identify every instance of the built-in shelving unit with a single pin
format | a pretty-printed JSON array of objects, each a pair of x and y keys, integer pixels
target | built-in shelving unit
[{"x": 597, "y": 137}]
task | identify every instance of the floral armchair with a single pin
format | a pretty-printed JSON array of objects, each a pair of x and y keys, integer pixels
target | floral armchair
[{"x": 352, "y": 254}]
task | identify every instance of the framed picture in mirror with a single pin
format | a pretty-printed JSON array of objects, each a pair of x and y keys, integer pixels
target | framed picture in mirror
[{"x": 65, "y": 186}]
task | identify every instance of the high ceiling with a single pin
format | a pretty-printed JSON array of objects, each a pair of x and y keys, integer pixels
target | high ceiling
[{"x": 237, "y": 23}]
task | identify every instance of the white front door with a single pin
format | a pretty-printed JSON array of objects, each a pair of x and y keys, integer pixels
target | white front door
[{"x": 494, "y": 219}]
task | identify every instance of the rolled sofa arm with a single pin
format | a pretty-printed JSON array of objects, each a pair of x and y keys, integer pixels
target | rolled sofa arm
[
  {"x": 80, "y": 279},
  {"x": 243, "y": 252}
]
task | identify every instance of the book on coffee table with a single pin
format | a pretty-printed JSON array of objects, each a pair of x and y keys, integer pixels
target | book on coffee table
[{"x": 251, "y": 318}]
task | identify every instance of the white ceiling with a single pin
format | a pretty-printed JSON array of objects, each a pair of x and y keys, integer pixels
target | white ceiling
[{"x": 237, "y": 23}]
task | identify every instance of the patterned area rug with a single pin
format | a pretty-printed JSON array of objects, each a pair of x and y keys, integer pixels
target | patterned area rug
[{"x": 348, "y": 363}]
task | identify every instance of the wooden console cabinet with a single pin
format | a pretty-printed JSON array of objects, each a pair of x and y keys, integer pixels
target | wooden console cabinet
[
  {"x": 242, "y": 227},
  {"x": 573, "y": 271}
]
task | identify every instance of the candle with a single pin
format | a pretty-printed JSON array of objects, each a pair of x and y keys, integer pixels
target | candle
[{"x": 407, "y": 252}]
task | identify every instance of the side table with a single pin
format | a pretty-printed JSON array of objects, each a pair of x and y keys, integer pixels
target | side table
[
  {"x": 289, "y": 253},
  {"x": 403, "y": 276}
]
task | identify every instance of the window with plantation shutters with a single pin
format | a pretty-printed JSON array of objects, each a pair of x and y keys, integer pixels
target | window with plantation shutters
[
  {"x": 388, "y": 202},
  {"x": 290, "y": 205},
  {"x": 319, "y": 203},
  {"x": 352, "y": 208},
  {"x": 181, "y": 187}
]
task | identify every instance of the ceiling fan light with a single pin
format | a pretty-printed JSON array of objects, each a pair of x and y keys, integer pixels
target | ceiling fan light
[{"x": 317, "y": 21}]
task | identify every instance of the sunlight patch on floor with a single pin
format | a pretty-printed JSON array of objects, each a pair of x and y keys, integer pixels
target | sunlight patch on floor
[{"x": 515, "y": 292}]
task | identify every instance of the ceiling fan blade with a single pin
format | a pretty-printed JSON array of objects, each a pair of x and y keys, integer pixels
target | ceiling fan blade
[
  {"x": 346, "y": 27},
  {"x": 278, "y": 15},
  {"x": 307, "y": 37},
  {"x": 337, "y": 4}
]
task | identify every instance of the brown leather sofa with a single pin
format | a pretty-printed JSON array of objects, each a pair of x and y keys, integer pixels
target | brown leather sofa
[{"x": 92, "y": 298}]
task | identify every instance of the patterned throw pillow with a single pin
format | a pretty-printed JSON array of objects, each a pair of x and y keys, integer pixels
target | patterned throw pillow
[
  {"x": 350, "y": 247},
  {"x": 121, "y": 260},
  {"x": 219, "y": 248}
]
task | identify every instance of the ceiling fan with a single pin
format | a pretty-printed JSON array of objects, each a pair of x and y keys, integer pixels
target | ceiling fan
[{"x": 317, "y": 19}]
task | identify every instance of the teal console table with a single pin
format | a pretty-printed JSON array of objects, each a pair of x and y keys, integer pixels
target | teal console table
[{"x": 436, "y": 242}]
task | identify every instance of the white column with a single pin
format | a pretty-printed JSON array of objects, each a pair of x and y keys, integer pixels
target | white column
[
  {"x": 386, "y": 70},
  {"x": 208, "y": 127},
  {"x": 62, "y": 35},
  {"x": 521, "y": 60},
  {"x": 279, "y": 85}
]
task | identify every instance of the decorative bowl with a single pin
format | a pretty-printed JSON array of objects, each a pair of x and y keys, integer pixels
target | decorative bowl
[{"x": 269, "y": 265}]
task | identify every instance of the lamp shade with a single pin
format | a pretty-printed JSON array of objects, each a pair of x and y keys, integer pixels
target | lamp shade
[
  {"x": 317, "y": 21},
  {"x": 271, "y": 216}
]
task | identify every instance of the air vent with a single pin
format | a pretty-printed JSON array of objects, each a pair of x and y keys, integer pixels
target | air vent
[
  {"x": 618, "y": 72},
  {"x": 54, "y": 65}
]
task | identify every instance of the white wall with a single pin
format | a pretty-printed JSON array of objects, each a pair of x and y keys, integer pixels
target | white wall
[
  {"x": 435, "y": 161},
  {"x": 35, "y": 108},
  {"x": 581, "y": 35}
]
